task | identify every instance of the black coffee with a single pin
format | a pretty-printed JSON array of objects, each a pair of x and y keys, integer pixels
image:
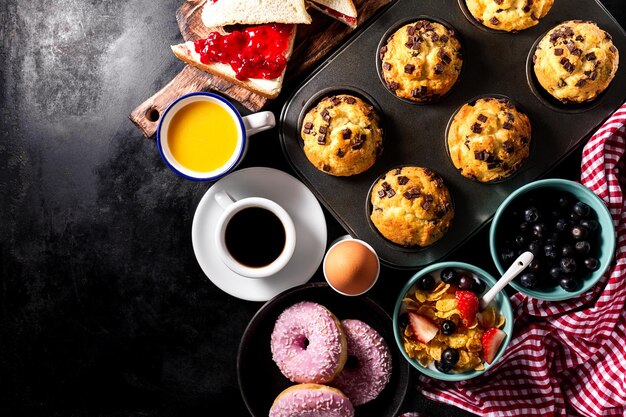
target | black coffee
[{"x": 255, "y": 237}]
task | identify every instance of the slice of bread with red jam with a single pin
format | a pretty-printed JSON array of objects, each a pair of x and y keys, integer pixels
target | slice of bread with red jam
[
  {"x": 254, "y": 57},
  {"x": 342, "y": 10}
]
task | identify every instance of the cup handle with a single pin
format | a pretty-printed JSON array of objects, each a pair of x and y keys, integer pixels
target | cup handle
[
  {"x": 224, "y": 199},
  {"x": 258, "y": 122}
]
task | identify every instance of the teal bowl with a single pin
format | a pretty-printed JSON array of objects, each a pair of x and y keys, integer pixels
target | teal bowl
[
  {"x": 604, "y": 251},
  {"x": 501, "y": 299}
]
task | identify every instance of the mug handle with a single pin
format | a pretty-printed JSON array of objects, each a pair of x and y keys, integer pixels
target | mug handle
[
  {"x": 224, "y": 199},
  {"x": 258, "y": 122}
]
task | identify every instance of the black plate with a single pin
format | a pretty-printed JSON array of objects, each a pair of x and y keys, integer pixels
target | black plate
[
  {"x": 261, "y": 381},
  {"x": 494, "y": 63}
]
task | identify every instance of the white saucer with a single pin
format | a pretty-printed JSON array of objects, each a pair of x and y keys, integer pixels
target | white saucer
[{"x": 295, "y": 198}]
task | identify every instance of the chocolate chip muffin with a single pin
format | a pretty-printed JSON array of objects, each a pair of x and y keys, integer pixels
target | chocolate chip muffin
[
  {"x": 489, "y": 140},
  {"x": 576, "y": 61},
  {"x": 421, "y": 61},
  {"x": 509, "y": 15},
  {"x": 342, "y": 135},
  {"x": 411, "y": 206}
]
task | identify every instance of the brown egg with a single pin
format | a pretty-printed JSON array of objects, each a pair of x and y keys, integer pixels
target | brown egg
[{"x": 350, "y": 267}]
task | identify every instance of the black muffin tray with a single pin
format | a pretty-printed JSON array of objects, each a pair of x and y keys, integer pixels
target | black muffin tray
[{"x": 494, "y": 63}]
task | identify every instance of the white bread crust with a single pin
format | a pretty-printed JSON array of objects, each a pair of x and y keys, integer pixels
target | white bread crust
[
  {"x": 254, "y": 12},
  {"x": 345, "y": 7}
]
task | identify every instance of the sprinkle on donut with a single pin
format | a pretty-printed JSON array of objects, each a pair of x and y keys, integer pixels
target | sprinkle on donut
[
  {"x": 368, "y": 369},
  {"x": 308, "y": 343}
]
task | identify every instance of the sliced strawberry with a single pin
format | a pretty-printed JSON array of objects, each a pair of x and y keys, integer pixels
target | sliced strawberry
[
  {"x": 492, "y": 339},
  {"x": 423, "y": 328},
  {"x": 468, "y": 306}
]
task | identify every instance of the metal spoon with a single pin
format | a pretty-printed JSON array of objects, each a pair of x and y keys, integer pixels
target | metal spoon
[{"x": 514, "y": 270}]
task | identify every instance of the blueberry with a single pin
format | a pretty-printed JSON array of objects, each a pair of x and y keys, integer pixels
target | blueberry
[
  {"x": 465, "y": 282},
  {"x": 531, "y": 214},
  {"x": 403, "y": 320},
  {"x": 589, "y": 224},
  {"x": 524, "y": 227},
  {"x": 426, "y": 282},
  {"x": 574, "y": 218},
  {"x": 528, "y": 280},
  {"x": 567, "y": 250},
  {"x": 555, "y": 237},
  {"x": 579, "y": 232},
  {"x": 582, "y": 247},
  {"x": 561, "y": 225},
  {"x": 544, "y": 277},
  {"x": 591, "y": 263},
  {"x": 520, "y": 240},
  {"x": 582, "y": 209},
  {"x": 539, "y": 230},
  {"x": 534, "y": 247},
  {"x": 550, "y": 251},
  {"x": 450, "y": 356},
  {"x": 448, "y": 327},
  {"x": 556, "y": 272},
  {"x": 443, "y": 367},
  {"x": 568, "y": 283},
  {"x": 449, "y": 276},
  {"x": 479, "y": 286},
  {"x": 565, "y": 201},
  {"x": 535, "y": 266},
  {"x": 568, "y": 265}
]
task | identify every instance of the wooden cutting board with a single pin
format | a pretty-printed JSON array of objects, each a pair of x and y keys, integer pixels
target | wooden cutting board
[{"x": 313, "y": 42}]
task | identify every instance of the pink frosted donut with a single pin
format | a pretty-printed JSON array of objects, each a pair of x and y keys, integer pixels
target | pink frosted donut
[
  {"x": 368, "y": 368},
  {"x": 308, "y": 344},
  {"x": 311, "y": 400}
]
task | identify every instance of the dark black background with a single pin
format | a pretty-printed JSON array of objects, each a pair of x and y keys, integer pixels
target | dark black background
[{"x": 104, "y": 310}]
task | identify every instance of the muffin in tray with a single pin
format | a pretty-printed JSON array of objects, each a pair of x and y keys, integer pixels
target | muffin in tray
[
  {"x": 575, "y": 61},
  {"x": 489, "y": 140},
  {"x": 342, "y": 135},
  {"x": 411, "y": 206},
  {"x": 509, "y": 15},
  {"x": 421, "y": 61}
]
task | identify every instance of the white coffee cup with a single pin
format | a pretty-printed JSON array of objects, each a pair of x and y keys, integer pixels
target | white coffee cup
[
  {"x": 223, "y": 236},
  {"x": 246, "y": 127}
]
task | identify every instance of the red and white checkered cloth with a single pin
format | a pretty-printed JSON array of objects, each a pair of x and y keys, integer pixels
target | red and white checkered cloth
[{"x": 567, "y": 358}]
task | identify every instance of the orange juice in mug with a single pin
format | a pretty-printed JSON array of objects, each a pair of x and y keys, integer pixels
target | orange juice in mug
[{"x": 202, "y": 137}]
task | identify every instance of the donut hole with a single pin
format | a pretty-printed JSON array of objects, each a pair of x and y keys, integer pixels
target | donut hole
[
  {"x": 301, "y": 342},
  {"x": 352, "y": 362}
]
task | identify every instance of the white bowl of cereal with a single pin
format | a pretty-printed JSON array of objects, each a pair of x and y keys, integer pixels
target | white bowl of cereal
[{"x": 438, "y": 325}]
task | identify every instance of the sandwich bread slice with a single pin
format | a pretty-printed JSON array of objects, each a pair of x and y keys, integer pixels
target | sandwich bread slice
[
  {"x": 254, "y": 58},
  {"x": 217, "y": 13},
  {"x": 342, "y": 10}
]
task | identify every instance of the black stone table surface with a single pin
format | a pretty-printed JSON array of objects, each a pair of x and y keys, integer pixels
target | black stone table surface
[{"x": 104, "y": 310}]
